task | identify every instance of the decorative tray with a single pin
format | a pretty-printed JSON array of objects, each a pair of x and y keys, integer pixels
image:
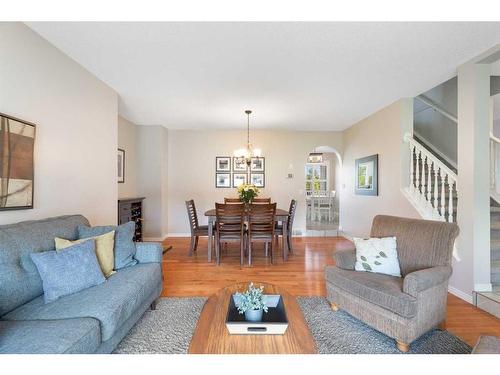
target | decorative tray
[{"x": 274, "y": 322}]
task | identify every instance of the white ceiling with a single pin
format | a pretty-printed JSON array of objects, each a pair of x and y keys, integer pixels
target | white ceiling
[{"x": 304, "y": 76}]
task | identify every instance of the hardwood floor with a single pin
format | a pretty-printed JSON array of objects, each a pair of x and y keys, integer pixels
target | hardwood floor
[{"x": 301, "y": 275}]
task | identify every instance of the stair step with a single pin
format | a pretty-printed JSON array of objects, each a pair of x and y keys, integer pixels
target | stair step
[
  {"x": 495, "y": 245},
  {"x": 495, "y": 272},
  {"x": 495, "y": 255}
]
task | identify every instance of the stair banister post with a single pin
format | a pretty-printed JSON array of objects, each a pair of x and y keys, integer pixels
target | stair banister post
[
  {"x": 450, "y": 199},
  {"x": 435, "y": 189},
  {"x": 443, "y": 194}
]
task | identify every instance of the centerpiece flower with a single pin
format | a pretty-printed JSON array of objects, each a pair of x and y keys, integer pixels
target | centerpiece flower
[{"x": 247, "y": 192}]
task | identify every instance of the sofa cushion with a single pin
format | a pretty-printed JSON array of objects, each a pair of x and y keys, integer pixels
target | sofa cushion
[
  {"x": 112, "y": 302},
  {"x": 382, "y": 290},
  {"x": 124, "y": 241},
  {"x": 49, "y": 336},
  {"x": 19, "y": 278}
]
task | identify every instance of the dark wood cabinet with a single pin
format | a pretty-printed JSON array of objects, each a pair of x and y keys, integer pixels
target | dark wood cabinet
[{"x": 130, "y": 209}]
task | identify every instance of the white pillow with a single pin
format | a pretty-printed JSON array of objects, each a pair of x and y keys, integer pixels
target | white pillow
[{"x": 377, "y": 255}]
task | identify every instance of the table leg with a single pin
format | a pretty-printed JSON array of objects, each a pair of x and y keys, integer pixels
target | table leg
[
  {"x": 285, "y": 242},
  {"x": 210, "y": 236}
]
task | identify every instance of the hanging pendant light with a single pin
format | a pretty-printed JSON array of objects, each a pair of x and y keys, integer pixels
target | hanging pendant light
[{"x": 246, "y": 154}]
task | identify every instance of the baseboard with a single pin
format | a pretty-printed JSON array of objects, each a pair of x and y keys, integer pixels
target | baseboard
[
  {"x": 178, "y": 235},
  {"x": 458, "y": 293},
  {"x": 483, "y": 287},
  {"x": 154, "y": 239}
]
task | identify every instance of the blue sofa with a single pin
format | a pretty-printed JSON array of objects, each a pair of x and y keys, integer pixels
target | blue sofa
[{"x": 94, "y": 320}]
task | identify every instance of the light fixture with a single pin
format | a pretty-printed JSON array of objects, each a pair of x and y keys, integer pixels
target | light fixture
[
  {"x": 315, "y": 157},
  {"x": 246, "y": 154}
]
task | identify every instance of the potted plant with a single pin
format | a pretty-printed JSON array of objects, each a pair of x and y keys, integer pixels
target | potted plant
[
  {"x": 252, "y": 303},
  {"x": 247, "y": 193}
]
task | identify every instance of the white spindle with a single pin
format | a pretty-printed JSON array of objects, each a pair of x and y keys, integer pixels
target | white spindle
[
  {"x": 429, "y": 192},
  {"x": 450, "y": 200},
  {"x": 412, "y": 160},
  {"x": 441, "y": 175},
  {"x": 435, "y": 189},
  {"x": 418, "y": 172}
]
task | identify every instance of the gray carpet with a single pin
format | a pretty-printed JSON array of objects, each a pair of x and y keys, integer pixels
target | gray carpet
[
  {"x": 169, "y": 329},
  {"x": 337, "y": 332}
]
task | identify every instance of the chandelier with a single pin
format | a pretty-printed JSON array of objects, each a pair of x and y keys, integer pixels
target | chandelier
[{"x": 246, "y": 154}]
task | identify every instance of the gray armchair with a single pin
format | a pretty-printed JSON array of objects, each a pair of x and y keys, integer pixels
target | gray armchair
[{"x": 406, "y": 307}]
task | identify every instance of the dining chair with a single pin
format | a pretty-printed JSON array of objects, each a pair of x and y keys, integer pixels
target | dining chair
[
  {"x": 229, "y": 227},
  {"x": 196, "y": 229},
  {"x": 232, "y": 201},
  {"x": 324, "y": 204},
  {"x": 261, "y": 201},
  {"x": 261, "y": 219},
  {"x": 278, "y": 231}
]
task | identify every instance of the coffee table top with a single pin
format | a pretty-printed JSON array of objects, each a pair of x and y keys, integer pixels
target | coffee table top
[{"x": 212, "y": 337}]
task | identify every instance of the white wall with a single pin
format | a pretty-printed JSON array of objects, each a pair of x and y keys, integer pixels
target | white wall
[
  {"x": 127, "y": 140},
  {"x": 191, "y": 168},
  {"x": 380, "y": 133},
  {"x": 76, "y": 133}
]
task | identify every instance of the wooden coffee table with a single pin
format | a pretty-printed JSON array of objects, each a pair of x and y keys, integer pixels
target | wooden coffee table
[{"x": 211, "y": 335}]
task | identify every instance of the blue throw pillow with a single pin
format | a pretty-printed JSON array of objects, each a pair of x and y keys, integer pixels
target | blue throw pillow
[
  {"x": 69, "y": 271},
  {"x": 124, "y": 244}
]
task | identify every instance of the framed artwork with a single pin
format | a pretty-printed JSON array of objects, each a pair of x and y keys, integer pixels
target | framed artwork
[
  {"x": 367, "y": 176},
  {"x": 239, "y": 165},
  {"x": 258, "y": 179},
  {"x": 239, "y": 178},
  {"x": 121, "y": 166},
  {"x": 257, "y": 165},
  {"x": 223, "y": 180},
  {"x": 223, "y": 164},
  {"x": 17, "y": 142}
]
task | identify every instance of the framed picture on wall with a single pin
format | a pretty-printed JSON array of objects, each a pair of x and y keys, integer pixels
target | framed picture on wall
[
  {"x": 223, "y": 164},
  {"x": 239, "y": 165},
  {"x": 258, "y": 165},
  {"x": 239, "y": 178},
  {"x": 367, "y": 176},
  {"x": 223, "y": 180},
  {"x": 17, "y": 142},
  {"x": 258, "y": 179},
  {"x": 121, "y": 166}
]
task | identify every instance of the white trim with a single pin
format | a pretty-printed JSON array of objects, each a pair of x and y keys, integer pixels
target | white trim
[
  {"x": 495, "y": 196},
  {"x": 178, "y": 235},
  {"x": 154, "y": 239},
  {"x": 435, "y": 150},
  {"x": 483, "y": 287},
  {"x": 462, "y": 295}
]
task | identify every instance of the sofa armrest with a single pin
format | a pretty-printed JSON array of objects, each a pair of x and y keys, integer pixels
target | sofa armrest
[
  {"x": 148, "y": 252},
  {"x": 418, "y": 281},
  {"x": 345, "y": 259}
]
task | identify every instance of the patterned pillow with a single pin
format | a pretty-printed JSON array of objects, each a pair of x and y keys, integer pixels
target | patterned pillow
[
  {"x": 69, "y": 271},
  {"x": 377, "y": 255}
]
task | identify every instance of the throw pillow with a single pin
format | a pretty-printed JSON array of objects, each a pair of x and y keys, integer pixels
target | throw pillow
[
  {"x": 70, "y": 271},
  {"x": 377, "y": 255},
  {"x": 104, "y": 245},
  {"x": 124, "y": 245}
]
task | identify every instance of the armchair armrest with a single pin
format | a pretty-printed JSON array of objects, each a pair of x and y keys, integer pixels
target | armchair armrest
[
  {"x": 148, "y": 252},
  {"x": 421, "y": 280},
  {"x": 345, "y": 259}
]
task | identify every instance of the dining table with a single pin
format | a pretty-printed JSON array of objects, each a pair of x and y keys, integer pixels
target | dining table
[{"x": 281, "y": 216}]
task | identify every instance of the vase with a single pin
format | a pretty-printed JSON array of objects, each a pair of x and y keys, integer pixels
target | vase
[{"x": 254, "y": 315}]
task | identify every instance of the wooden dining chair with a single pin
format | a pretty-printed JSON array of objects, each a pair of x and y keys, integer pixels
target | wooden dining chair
[
  {"x": 261, "y": 201},
  {"x": 229, "y": 227},
  {"x": 196, "y": 229},
  {"x": 289, "y": 227},
  {"x": 261, "y": 219},
  {"x": 232, "y": 201}
]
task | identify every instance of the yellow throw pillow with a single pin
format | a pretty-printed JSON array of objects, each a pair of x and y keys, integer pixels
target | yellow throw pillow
[{"x": 104, "y": 245}]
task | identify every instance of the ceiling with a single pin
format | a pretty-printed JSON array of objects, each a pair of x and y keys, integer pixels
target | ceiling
[{"x": 300, "y": 76}]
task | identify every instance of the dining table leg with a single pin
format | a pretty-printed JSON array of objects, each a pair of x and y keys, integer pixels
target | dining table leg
[{"x": 210, "y": 237}]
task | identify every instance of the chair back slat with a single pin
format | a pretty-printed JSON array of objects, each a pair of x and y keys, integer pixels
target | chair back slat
[
  {"x": 230, "y": 219},
  {"x": 261, "y": 219},
  {"x": 232, "y": 201},
  {"x": 261, "y": 201},
  {"x": 291, "y": 215},
  {"x": 193, "y": 217}
]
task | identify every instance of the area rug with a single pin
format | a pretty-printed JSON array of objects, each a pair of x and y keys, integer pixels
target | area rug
[
  {"x": 337, "y": 332},
  {"x": 169, "y": 329}
]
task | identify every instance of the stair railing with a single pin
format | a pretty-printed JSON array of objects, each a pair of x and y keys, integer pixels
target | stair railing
[{"x": 432, "y": 185}]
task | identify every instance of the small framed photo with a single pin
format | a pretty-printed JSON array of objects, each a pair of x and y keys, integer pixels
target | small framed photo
[
  {"x": 239, "y": 165},
  {"x": 258, "y": 165},
  {"x": 238, "y": 179},
  {"x": 258, "y": 179},
  {"x": 121, "y": 166},
  {"x": 223, "y": 180},
  {"x": 223, "y": 164}
]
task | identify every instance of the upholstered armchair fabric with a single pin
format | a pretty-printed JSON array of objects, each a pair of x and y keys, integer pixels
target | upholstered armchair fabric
[{"x": 403, "y": 308}]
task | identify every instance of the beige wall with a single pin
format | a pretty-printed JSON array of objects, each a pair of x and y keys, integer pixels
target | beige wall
[
  {"x": 76, "y": 134},
  {"x": 191, "y": 168},
  {"x": 379, "y": 134},
  {"x": 127, "y": 140}
]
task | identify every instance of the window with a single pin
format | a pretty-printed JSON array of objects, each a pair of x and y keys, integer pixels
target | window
[{"x": 317, "y": 177}]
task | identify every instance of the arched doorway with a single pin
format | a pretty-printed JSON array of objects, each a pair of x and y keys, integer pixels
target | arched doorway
[{"x": 322, "y": 182}]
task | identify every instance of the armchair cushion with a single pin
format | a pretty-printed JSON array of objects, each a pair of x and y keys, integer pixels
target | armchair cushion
[
  {"x": 382, "y": 290},
  {"x": 148, "y": 252},
  {"x": 421, "y": 280},
  {"x": 345, "y": 259}
]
